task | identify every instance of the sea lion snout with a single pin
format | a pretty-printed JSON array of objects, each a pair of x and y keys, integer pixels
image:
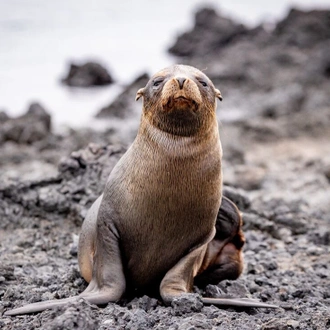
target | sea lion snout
[
  {"x": 181, "y": 81},
  {"x": 181, "y": 93}
]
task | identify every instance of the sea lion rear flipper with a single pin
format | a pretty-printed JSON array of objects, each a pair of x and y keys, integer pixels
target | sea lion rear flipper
[
  {"x": 110, "y": 291},
  {"x": 224, "y": 259},
  {"x": 39, "y": 306},
  {"x": 237, "y": 302},
  {"x": 102, "y": 297},
  {"x": 108, "y": 281}
]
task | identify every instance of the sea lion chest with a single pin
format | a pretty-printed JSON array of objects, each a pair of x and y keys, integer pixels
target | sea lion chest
[{"x": 163, "y": 200}]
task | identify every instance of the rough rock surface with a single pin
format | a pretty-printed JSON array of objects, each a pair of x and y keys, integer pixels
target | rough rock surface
[
  {"x": 211, "y": 32},
  {"x": 269, "y": 82},
  {"x": 66, "y": 194},
  {"x": 33, "y": 126},
  {"x": 87, "y": 75},
  {"x": 30, "y": 149},
  {"x": 304, "y": 29},
  {"x": 265, "y": 74},
  {"x": 286, "y": 222},
  {"x": 123, "y": 105},
  {"x": 276, "y": 168}
]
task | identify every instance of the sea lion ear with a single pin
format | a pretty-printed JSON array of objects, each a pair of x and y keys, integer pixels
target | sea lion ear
[
  {"x": 218, "y": 94},
  {"x": 139, "y": 94}
]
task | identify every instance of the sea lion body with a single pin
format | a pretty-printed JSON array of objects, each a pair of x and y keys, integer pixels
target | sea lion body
[
  {"x": 155, "y": 218},
  {"x": 151, "y": 224},
  {"x": 154, "y": 228},
  {"x": 162, "y": 198}
]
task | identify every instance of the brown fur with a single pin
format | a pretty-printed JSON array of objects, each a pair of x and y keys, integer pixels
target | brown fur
[
  {"x": 155, "y": 227},
  {"x": 166, "y": 191}
]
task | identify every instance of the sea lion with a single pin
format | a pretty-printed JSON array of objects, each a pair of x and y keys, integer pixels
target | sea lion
[{"x": 155, "y": 227}]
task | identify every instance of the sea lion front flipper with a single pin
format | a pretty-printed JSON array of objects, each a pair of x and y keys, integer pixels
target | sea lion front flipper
[
  {"x": 237, "y": 302},
  {"x": 87, "y": 239},
  {"x": 180, "y": 278}
]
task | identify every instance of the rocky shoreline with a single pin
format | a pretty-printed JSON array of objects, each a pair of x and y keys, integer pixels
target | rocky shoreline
[{"x": 275, "y": 133}]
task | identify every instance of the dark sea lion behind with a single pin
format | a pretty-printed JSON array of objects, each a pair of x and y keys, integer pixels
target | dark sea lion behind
[{"x": 155, "y": 227}]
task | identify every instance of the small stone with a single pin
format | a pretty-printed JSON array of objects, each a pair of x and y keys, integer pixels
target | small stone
[
  {"x": 255, "y": 268},
  {"x": 294, "y": 324},
  {"x": 285, "y": 234},
  {"x": 77, "y": 315},
  {"x": 187, "y": 303},
  {"x": 74, "y": 245},
  {"x": 213, "y": 291},
  {"x": 275, "y": 324},
  {"x": 238, "y": 196},
  {"x": 313, "y": 250},
  {"x": 146, "y": 303}
]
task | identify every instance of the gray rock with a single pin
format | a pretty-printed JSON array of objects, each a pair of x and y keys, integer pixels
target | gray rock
[
  {"x": 283, "y": 101},
  {"x": 29, "y": 128},
  {"x": 279, "y": 80},
  {"x": 70, "y": 192},
  {"x": 211, "y": 32},
  {"x": 280, "y": 324},
  {"x": 304, "y": 29},
  {"x": 187, "y": 303},
  {"x": 327, "y": 172},
  {"x": 238, "y": 196},
  {"x": 146, "y": 303},
  {"x": 124, "y": 105},
  {"x": 87, "y": 75},
  {"x": 79, "y": 315},
  {"x": 233, "y": 289},
  {"x": 3, "y": 116}
]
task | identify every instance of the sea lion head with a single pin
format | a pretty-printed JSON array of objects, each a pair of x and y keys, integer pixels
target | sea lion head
[{"x": 179, "y": 100}]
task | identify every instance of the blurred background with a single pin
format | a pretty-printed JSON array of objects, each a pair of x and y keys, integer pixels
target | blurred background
[
  {"x": 70, "y": 71},
  {"x": 38, "y": 40}
]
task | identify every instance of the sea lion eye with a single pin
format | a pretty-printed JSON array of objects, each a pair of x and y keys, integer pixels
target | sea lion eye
[
  {"x": 203, "y": 83},
  {"x": 157, "y": 82}
]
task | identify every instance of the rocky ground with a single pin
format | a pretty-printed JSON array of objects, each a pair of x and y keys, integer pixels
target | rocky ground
[{"x": 275, "y": 132}]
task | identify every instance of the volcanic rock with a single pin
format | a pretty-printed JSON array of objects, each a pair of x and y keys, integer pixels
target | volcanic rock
[{"x": 87, "y": 75}]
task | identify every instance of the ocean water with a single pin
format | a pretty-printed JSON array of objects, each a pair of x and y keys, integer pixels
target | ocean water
[{"x": 39, "y": 38}]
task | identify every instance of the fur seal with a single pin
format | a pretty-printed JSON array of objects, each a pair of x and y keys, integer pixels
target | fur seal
[{"x": 157, "y": 226}]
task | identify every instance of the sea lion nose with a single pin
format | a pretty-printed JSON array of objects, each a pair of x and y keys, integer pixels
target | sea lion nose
[{"x": 181, "y": 81}]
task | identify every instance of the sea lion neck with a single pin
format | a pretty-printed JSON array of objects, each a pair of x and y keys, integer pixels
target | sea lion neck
[
  {"x": 183, "y": 146},
  {"x": 188, "y": 124}
]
